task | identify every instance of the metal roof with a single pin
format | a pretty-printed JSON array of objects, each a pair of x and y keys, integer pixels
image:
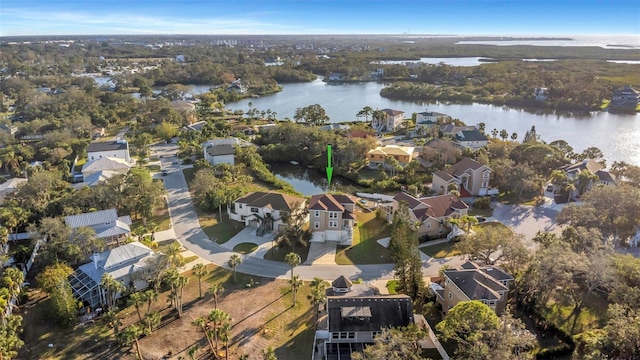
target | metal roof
[{"x": 91, "y": 218}]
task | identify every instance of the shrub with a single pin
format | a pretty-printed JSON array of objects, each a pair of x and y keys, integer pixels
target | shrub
[{"x": 482, "y": 203}]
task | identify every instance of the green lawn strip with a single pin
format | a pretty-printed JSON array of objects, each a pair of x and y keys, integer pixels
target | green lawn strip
[
  {"x": 442, "y": 250},
  {"x": 365, "y": 248},
  {"x": 153, "y": 168},
  {"x": 480, "y": 212},
  {"x": 245, "y": 248},
  {"x": 278, "y": 253},
  {"x": 161, "y": 218},
  {"x": 592, "y": 316},
  {"x": 190, "y": 259},
  {"x": 220, "y": 232}
]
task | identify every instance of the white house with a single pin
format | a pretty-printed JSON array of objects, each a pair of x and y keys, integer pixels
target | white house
[
  {"x": 387, "y": 120},
  {"x": 106, "y": 163},
  {"x": 115, "y": 149},
  {"x": 264, "y": 210},
  {"x": 121, "y": 263},
  {"x": 106, "y": 223},
  {"x": 218, "y": 151},
  {"x": 430, "y": 116},
  {"x": 472, "y": 139},
  {"x": 10, "y": 186}
]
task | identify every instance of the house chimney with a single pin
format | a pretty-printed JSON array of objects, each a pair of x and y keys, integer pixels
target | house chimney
[
  {"x": 95, "y": 257},
  {"x": 585, "y": 161}
]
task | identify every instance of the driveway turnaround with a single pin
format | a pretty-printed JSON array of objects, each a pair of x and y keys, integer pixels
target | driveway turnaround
[{"x": 188, "y": 231}]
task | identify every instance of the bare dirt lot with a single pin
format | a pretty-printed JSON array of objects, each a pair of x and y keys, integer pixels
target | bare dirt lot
[{"x": 262, "y": 315}]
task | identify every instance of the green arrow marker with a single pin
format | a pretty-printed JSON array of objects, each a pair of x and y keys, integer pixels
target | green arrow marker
[{"x": 329, "y": 167}]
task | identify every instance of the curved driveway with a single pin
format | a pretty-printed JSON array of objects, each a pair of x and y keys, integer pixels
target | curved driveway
[{"x": 188, "y": 231}]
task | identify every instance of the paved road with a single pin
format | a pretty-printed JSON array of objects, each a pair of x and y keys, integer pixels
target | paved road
[
  {"x": 188, "y": 231},
  {"x": 527, "y": 220}
]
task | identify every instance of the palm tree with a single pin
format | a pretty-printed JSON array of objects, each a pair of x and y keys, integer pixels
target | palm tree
[
  {"x": 570, "y": 188},
  {"x": 494, "y": 133},
  {"x": 318, "y": 296},
  {"x": 111, "y": 318},
  {"x": 233, "y": 263},
  {"x": 152, "y": 320},
  {"x": 218, "y": 318},
  {"x": 200, "y": 270},
  {"x": 293, "y": 260},
  {"x": 137, "y": 299},
  {"x": 468, "y": 221},
  {"x": 584, "y": 180},
  {"x": 558, "y": 177},
  {"x": 150, "y": 296},
  {"x": 215, "y": 290},
  {"x": 112, "y": 288},
  {"x": 295, "y": 283},
  {"x": 201, "y": 324},
  {"x": 131, "y": 335},
  {"x": 225, "y": 331}
]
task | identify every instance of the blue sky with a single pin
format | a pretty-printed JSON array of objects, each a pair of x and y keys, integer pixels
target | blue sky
[{"x": 469, "y": 17}]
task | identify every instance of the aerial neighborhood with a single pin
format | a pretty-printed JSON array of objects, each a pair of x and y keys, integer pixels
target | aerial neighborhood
[{"x": 143, "y": 216}]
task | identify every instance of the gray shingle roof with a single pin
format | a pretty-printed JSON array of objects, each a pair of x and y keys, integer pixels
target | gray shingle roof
[
  {"x": 107, "y": 146},
  {"x": 119, "y": 261}
]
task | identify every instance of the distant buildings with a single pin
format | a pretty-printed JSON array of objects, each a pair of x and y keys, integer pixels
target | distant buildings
[
  {"x": 387, "y": 120},
  {"x": 379, "y": 155},
  {"x": 625, "y": 99}
]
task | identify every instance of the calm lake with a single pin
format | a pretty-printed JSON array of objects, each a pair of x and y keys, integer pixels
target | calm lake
[
  {"x": 310, "y": 182},
  {"x": 617, "y": 135}
]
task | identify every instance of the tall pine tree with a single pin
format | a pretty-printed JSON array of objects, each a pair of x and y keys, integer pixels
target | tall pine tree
[{"x": 405, "y": 253}]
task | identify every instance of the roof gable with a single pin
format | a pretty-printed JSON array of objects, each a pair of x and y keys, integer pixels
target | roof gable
[
  {"x": 275, "y": 201},
  {"x": 368, "y": 313}
]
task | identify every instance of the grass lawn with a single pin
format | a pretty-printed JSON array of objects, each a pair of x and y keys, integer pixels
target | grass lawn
[
  {"x": 592, "y": 316},
  {"x": 262, "y": 313},
  {"x": 480, "y": 212},
  {"x": 278, "y": 253},
  {"x": 161, "y": 218},
  {"x": 392, "y": 285},
  {"x": 153, "y": 168},
  {"x": 245, "y": 248},
  {"x": 222, "y": 231},
  {"x": 493, "y": 224},
  {"x": 365, "y": 249},
  {"x": 442, "y": 250}
]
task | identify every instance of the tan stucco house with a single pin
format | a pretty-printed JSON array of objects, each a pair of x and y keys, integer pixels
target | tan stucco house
[
  {"x": 469, "y": 176},
  {"x": 377, "y": 156},
  {"x": 432, "y": 213},
  {"x": 331, "y": 218},
  {"x": 387, "y": 120}
]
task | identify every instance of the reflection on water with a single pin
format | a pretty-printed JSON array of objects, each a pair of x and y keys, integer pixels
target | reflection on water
[{"x": 310, "y": 182}]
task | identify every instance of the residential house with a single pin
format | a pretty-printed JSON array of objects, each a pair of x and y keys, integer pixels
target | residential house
[
  {"x": 472, "y": 139},
  {"x": 104, "y": 164},
  {"x": 11, "y": 129},
  {"x": 106, "y": 223},
  {"x": 453, "y": 130},
  {"x": 196, "y": 126},
  {"x": 335, "y": 76},
  {"x": 121, "y": 263},
  {"x": 218, "y": 151},
  {"x": 431, "y": 213},
  {"x": 572, "y": 172},
  {"x": 237, "y": 86},
  {"x": 471, "y": 281},
  {"x": 115, "y": 149},
  {"x": 541, "y": 93},
  {"x": 9, "y": 187},
  {"x": 331, "y": 218},
  {"x": 469, "y": 176},
  {"x": 387, "y": 120},
  {"x": 625, "y": 99},
  {"x": 354, "y": 321},
  {"x": 97, "y": 177},
  {"x": 431, "y": 117},
  {"x": 264, "y": 210},
  {"x": 379, "y": 155}
]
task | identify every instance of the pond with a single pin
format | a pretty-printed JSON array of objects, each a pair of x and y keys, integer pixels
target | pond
[{"x": 310, "y": 182}]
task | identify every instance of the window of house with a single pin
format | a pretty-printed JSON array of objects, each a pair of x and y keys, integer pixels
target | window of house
[
  {"x": 317, "y": 214},
  {"x": 316, "y": 225},
  {"x": 333, "y": 224},
  {"x": 333, "y": 215},
  {"x": 242, "y": 217},
  {"x": 428, "y": 225},
  {"x": 486, "y": 174},
  {"x": 254, "y": 210},
  {"x": 450, "y": 295},
  {"x": 239, "y": 206},
  {"x": 485, "y": 184}
]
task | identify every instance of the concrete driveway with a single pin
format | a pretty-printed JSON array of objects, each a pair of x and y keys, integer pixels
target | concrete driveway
[{"x": 527, "y": 220}]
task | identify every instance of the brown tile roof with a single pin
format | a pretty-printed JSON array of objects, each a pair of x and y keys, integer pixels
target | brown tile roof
[
  {"x": 462, "y": 166},
  {"x": 274, "y": 200},
  {"x": 443, "y": 205},
  {"x": 325, "y": 202},
  {"x": 410, "y": 200},
  {"x": 392, "y": 112},
  {"x": 343, "y": 199}
]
